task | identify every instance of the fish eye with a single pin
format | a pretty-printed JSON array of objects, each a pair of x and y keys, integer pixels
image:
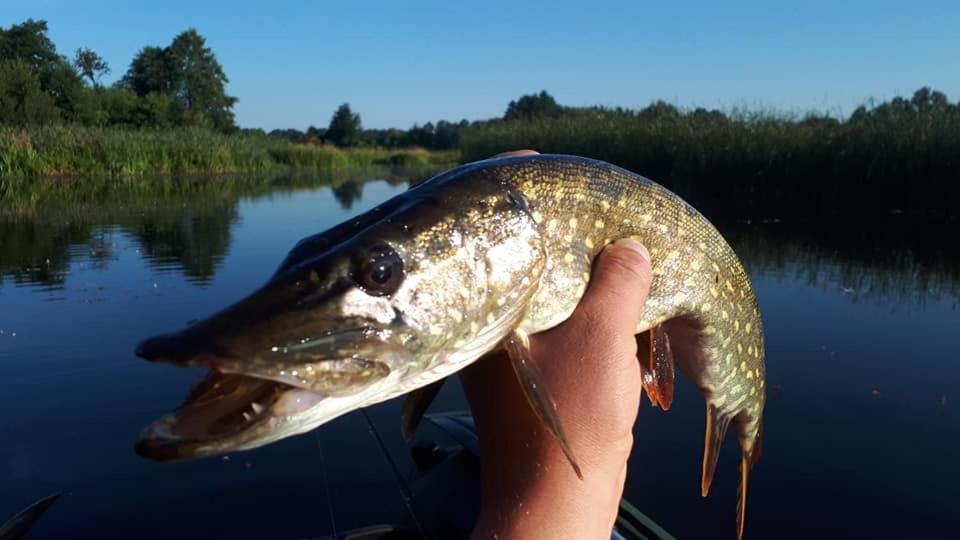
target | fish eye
[{"x": 378, "y": 270}]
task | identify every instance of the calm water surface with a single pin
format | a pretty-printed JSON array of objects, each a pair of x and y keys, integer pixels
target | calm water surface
[{"x": 862, "y": 423}]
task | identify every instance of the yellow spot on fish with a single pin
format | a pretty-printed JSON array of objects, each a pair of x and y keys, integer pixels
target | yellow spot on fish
[
  {"x": 715, "y": 267},
  {"x": 674, "y": 254},
  {"x": 598, "y": 223},
  {"x": 728, "y": 358},
  {"x": 720, "y": 400},
  {"x": 736, "y": 325},
  {"x": 434, "y": 331},
  {"x": 455, "y": 313},
  {"x": 537, "y": 216},
  {"x": 605, "y": 205},
  {"x": 535, "y": 272},
  {"x": 739, "y": 348},
  {"x": 703, "y": 247},
  {"x": 705, "y": 307},
  {"x": 724, "y": 314},
  {"x": 762, "y": 383},
  {"x": 573, "y": 223},
  {"x": 695, "y": 265},
  {"x": 569, "y": 257},
  {"x": 586, "y": 276},
  {"x": 646, "y": 218},
  {"x": 588, "y": 242},
  {"x": 726, "y": 342},
  {"x": 748, "y": 327},
  {"x": 568, "y": 238},
  {"x": 679, "y": 297},
  {"x": 474, "y": 327},
  {"x": 753, "y": 390},
  {"x": 749, "y": 374},
  {"x": 713, "y": 292},
  {"x": 525, "y": 280},
  {"x": 551, "y": 225},
  {"x": 490, "y": 318},
  {"x": 729, "y": 285}
]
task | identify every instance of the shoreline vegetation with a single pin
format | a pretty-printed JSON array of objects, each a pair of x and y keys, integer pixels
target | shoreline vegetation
[
  {"x": 116, "y": 152},
  {"x": 170, "y": 114}
]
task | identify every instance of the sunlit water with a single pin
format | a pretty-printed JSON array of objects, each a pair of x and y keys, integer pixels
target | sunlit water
[{"x": 862, "y": 437}]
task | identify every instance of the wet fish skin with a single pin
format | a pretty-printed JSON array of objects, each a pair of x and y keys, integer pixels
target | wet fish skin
[{"x": 489, "y": 248}]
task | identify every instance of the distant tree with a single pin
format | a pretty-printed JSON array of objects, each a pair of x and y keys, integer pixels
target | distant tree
[
  {"x": 28, "y": 42},
  {"x": 90, "y": 64},
  {"x": 148, "y": 72},
  {"x": 22, "y": 101},
  {"x": 345, "y": 128},
  {"x": 315, "y": 134},
  {"x": 532, "y": 106},
  {"x": 199, "y": 82},
  {"x": 187, "y": 71}
]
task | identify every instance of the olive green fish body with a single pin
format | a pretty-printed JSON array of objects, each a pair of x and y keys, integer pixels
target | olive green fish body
[{"x": 421, "y": 286}]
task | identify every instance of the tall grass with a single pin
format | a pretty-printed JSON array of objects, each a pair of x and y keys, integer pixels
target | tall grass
[
  {"x": 758, "y": 163},
  {"x": 72, "y": 150}
]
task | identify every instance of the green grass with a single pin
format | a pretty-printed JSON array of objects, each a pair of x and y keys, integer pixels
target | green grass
[{"x": 72, "y": 150}]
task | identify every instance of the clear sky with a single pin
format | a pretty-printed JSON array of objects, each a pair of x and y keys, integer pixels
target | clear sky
[{"x": 396, "y": 63}]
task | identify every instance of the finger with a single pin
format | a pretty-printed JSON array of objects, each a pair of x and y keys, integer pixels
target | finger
[{"x": 618, "y": 288}]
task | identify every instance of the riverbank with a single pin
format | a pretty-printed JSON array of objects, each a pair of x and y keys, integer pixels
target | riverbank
[{"x": 73, "y": 150}]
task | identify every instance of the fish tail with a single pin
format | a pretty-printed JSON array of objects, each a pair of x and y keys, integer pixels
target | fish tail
[{"x": 748, "y": 458}]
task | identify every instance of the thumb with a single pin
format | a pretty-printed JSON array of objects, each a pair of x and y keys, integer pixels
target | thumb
[{"x": 618, "y": 288}]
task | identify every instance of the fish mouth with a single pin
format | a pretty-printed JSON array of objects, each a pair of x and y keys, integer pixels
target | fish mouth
[{"x": 222, "y": 413}]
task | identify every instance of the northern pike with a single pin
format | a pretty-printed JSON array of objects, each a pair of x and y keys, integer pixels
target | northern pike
[{"x": 477, "y": 258}]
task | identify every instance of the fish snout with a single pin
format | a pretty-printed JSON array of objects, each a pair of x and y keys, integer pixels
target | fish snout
[{"x": 181, "y": 348}]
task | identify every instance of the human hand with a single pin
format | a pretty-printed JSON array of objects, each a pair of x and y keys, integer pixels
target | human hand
[{"x": 590, "y": 369}]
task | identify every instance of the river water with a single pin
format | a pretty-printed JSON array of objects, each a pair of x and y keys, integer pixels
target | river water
[{"x": 862, "y": 433}]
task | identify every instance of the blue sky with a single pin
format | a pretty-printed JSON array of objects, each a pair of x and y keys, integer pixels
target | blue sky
[{"x": 292, "y": 63}]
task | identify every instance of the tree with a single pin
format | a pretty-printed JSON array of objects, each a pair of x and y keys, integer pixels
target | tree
[
  {"x": 90, "y": 64},
  {"x": 189, "y": 73},
  {"x": 22, "y": 101},
  {"x": 28, "y": 42},
  {"x": 532, "y": 106},
  {"x": 345, "y": 129}
]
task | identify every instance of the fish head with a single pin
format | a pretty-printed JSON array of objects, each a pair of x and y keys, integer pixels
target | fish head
[{"x": 402, "y": 296}]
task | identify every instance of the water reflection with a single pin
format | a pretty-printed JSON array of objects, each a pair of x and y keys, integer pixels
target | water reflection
[
  {"x": 180, "y": 225},
  {"x": 185, "y": 226}
]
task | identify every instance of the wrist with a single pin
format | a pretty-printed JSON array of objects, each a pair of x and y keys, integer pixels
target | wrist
[{"x": 544, "y": 498}]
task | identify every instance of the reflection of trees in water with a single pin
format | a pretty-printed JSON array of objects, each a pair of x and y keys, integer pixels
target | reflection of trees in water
[
  {"x": 32, "y": 252},
  {"x": 898, "y": 259},
  {"x": 195, "y": 242},
  {"x": 187, "y": 226},
  {"x": 183, "y": 225},
  {"x": 348, "y": 193}
]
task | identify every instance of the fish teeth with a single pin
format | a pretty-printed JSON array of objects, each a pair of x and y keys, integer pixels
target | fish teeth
[
  {"x": 247, "y": 416},
  {"x": 257, "y": 408}
]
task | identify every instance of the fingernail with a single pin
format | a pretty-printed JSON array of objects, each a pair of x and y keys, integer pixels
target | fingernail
[{"x": 633, "y": 245}]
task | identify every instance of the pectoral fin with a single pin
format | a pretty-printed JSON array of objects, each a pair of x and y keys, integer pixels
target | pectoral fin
[
  {"x": 656, "y": 365},
  {"x": 416, "y": 405},
  {"x": 517, "y": 345}
]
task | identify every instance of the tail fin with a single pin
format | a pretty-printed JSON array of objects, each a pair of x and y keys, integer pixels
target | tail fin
[
  {"x": 747, "y": 460},
  {"x": 717, "y": 424}
]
